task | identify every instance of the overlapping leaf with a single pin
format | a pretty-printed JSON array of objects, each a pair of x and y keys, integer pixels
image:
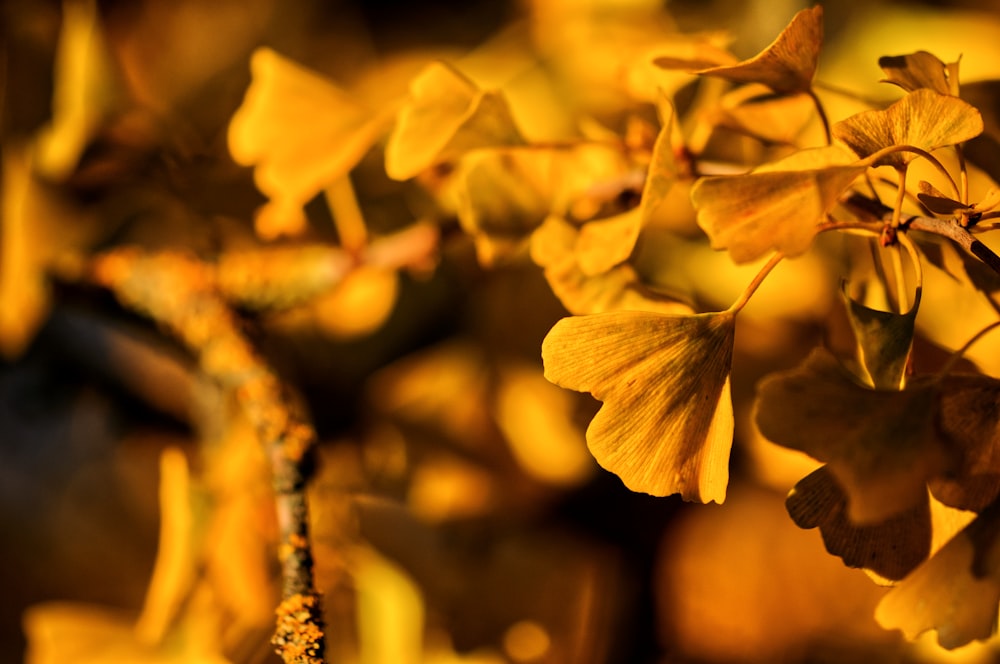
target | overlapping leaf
[
  {"x": 777, "y": 207},
  {"x": 666, "y": 425},
  {"x": 446, "y": 116},
  {"x": 788, "y": 64},
  {"x": 923, "y": 119},
  {"x": 956, "y": 592},
  {"x": 880, "y": 445}
]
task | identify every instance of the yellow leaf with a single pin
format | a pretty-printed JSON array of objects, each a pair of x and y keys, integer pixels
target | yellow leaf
[
  {"x": 923, "y": 119},
  {"x": 956, "y": 592},
  {"x": 788, "y": 64},
  {"x": 445, "y": 117},
  {"x": 554, "y": 248},
  {"x": 772, "y": 209},
  {"x": 300, "y": 132},
  {"x": 666, "y": 425},
  {"x": 920, "y": 70}
]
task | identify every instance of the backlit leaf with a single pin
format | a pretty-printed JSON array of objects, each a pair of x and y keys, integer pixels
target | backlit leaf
[
  {"x": 788, "y": 64},
  {"x": 884, "y": 340},
  {"x": 891, "y": 548},
  {"x": 920, "y": 70},
  {"x": 446, "y": 116},
  {"x": 301, "y": 133},
  {"x": 924, "y": 119},
  {"x": 956, "y": 592},
  {"x": 771, "y": 209},
  {"x": 880, "y": 445},
  {"x": 666, "y": 425}
]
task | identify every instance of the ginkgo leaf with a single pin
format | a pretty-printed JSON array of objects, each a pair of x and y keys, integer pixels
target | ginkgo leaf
[
  {"x": 968, "y": 419},
  {"x": 772, "y": 209},
  {"x": 937, "y": 202},
  {"x": 956, "y": 592},
  {"x": 666, "y": 425},
  {"x": 554, "y": 248},
  {"x": 923, "y": 119},
  {"x": 300, "y": 132},
  {"x": 920, "y": 70},
  {"x": 891, "y": 549},
  {"x": 446, "y": 116},
  {"x": 884, "y": 341},
  {"x": 880, "y": 445},
  {"x": 754, "y": 111},
  {"x": 788, "y": 64}
]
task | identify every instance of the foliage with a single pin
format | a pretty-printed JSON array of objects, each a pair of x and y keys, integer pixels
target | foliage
[{"x": 670, "y": 170}]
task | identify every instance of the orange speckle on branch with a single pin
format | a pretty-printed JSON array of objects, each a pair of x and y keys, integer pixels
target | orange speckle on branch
[{"x": 299, "y": 635}]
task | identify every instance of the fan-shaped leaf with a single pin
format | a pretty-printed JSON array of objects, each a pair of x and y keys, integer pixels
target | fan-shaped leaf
[
  {"x": 666, "y": 425},
  {"x": 880, "y": 445},
  {"x": 924, "y": 119},
  {"x": 446, "y": 116},
  {"x": 788, "y": 64},
  {"x": 772, "y": 208}
]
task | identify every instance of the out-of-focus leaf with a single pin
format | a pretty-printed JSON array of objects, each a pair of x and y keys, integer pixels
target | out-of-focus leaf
[
  {"x": 536, "y": 418},
  {"x": 666, "y": 425},
  {"x": 774, "y": 208},
  {"x": 956, "y": 592},
  {"x": 300, "y": 132},
  {"x": 884, "y": 340},
  {"x": 553, "y": 247},
  {"x": 87, "y": 90},
  {"x": 923, "y": 118},
  {"x": 359, "y": 304},
  {"x": 788, "y": 64},
  {"x": 768, "y": 117},
  {"x": 390, "y": 611},
  {"x": 920, "y": 70},
  {"x": 880, "y": 445},
  {"x": 445, "y": 117},
  {"x": 891, "y": 548}
]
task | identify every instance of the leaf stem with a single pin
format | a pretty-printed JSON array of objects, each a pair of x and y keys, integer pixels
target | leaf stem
[
  {"x": 752, "y": 287},
  {"x": 822, "y": 115},
  {"x": 893, "y": 149},
  {"x": 960, "y": 353}
]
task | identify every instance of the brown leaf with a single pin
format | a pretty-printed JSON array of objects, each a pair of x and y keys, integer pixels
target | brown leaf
[
  {"x": 923, "y": 119},
  {"x": 956, "y": 591},
  {"x": 445, "y": 117},
  {"x": 666, "y": 425},
  {"x": 890, "y": 549},
  {"x": 788, "y": 64},
  {"x": 880, "y": 445},
  {"x": 776, "y": 207},
  {"x": 920, "y": 70}
]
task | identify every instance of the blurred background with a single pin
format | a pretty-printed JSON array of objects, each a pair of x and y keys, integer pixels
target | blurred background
[{"x": 457, "y": 513}]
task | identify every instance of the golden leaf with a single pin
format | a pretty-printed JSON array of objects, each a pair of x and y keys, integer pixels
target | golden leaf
[
  {"x": 956, "y": 591},
  {"x": 554, "y": 248},
  {"x": 788, "y": 64},
  {"x": 880, "y": 445},
  {"x": 771, "y": 208},
  {"x": 300, "y": 132},
  {"x": 445, "y": 117},
  {"x": 923, "y": 119},
  {"x": 666, "y": 425},
  {"x": 920, "y": 70}
]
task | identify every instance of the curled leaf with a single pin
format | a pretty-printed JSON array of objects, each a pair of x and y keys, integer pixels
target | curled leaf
[
  {"x": 923, "y": 119},
  {"x": 880, "y": 445},
  {"x": 446, "y": 116},
  {"x": 884, "y": 341},
  {"x": 956, "y": 592},
  {"x": 771, "y": 208},
  {"x": 788, "y": 64},
  {"x": 666, "y": 425},
  {"x": 920, "y": 70}
]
